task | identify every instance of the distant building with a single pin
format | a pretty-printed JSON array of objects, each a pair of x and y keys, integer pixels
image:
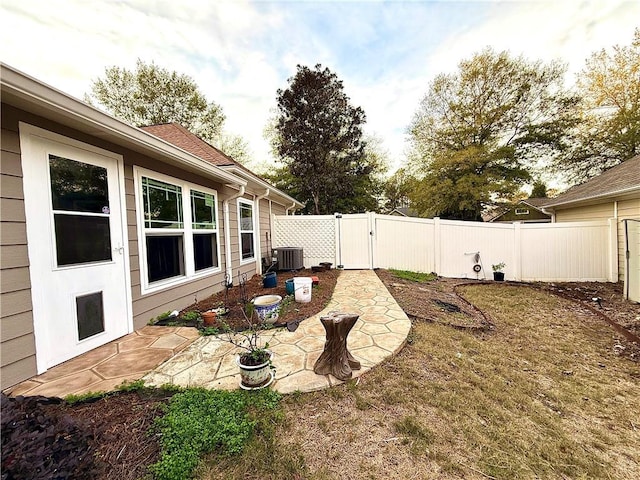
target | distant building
[
  {"x": 404, "y": 212},
  {"x": 526, "y": 211}
]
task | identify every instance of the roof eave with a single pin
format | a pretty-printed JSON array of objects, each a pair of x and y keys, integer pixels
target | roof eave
[
  {"x": 25, "y": 92},
  {"x": 625, "y": 192},
  {"x": 254, "y": 179}
]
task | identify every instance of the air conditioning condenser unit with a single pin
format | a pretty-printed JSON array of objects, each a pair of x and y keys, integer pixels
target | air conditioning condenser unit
[{"x": 289, "y": 258}]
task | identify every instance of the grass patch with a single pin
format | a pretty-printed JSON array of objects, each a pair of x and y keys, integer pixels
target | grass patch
[
  {"x": 199, "y": 421},
  {"x": 541, "y": 396},
  {"x": 414, "y": 276}
]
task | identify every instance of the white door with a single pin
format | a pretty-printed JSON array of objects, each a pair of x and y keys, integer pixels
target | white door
[
  {"x": 76, "y": 246},
  {"x": 355, "y": 241}
]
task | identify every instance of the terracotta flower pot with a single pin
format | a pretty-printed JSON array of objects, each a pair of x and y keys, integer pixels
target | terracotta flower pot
[{"x": 209, "y": 318}]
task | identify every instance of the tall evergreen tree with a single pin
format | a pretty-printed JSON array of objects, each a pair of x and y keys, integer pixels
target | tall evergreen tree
[{"x": 318, "y": 136}]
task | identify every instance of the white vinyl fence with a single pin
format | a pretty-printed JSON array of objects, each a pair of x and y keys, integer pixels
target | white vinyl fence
[{"x": 580, "y": 251}]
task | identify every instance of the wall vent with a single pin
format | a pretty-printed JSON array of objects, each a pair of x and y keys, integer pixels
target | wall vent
[{"x": 289, "y": 258}]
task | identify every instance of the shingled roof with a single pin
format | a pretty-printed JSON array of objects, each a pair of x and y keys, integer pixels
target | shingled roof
[
  {"x": 179, "y": 136},
  {"x": 619, "y": 180}
]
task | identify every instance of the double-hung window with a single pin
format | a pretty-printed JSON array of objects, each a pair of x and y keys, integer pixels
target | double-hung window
[
  {"x": 179, "y": 230},
  {"x": 204, "y": 226},
  {"x": 246, "y": 228}
]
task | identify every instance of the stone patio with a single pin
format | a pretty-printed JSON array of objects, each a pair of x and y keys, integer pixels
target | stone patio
[
  {"x": 180, "y": 356},
  {"x": 380, "y": 332}
]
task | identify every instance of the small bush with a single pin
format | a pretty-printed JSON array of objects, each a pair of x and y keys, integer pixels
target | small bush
[{"x": 199, "y": 421}]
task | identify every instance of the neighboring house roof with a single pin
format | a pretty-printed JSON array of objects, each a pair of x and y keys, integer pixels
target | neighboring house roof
[
  {"x": 621, "y": 180},
  {"x": 534, "y": 212},
  {"x": 404, "y": 212},
  {"x": 179, "y": 136}
]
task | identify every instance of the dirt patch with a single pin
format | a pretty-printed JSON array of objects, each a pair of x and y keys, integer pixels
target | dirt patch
[
  {"x": 235, "y": 297},
  {"x": 435, "y": 301}
]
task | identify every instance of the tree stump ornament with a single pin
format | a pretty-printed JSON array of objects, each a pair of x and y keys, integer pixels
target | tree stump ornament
[{"x": 336, "y": 359}]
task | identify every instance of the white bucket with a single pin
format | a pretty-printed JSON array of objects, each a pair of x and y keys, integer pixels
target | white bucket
[{"x": 302, "y": 286}]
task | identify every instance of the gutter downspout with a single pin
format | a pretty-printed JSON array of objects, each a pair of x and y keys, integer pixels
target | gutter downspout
[
  {"x": 293, "y": 205},
  {"x": 259, "y": 250},
  {"x": 227, "y": 234}
]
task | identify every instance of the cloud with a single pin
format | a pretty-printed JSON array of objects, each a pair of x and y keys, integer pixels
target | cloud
[{"x": 241, "y": 52}]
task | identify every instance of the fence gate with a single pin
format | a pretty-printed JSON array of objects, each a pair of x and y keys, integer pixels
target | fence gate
[
  {"x": 355, "y": 241},
  {"x": 632, "y": 260}
]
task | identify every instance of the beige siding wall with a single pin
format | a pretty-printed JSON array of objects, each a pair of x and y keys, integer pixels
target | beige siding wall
[
  {"x": 590, "y": 213},
  {"x": 17, "y": 346}
]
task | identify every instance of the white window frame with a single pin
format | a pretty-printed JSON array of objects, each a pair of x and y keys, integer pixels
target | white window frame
[
  {"x": 187, "y": 231},
  {"x": 522, "y": 211},
  {"x": 249, "y": 203}
]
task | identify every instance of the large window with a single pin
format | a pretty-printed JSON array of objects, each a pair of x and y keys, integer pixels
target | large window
[
  {"x": 246, "y": 227},
  {"x": 180, "y": 230}
]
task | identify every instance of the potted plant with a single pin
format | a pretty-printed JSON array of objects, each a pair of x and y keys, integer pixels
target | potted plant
[
  {"x": 498, "y": 274},
  {"x": 254, "y": 360}
]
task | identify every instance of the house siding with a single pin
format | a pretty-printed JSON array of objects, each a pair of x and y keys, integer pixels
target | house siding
[
  {"x": 17, "y": 344},
  {"x": 626, "y": 209}
]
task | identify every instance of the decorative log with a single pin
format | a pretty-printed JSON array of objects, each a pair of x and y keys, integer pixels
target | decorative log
[{"x": 336, "y": 359}]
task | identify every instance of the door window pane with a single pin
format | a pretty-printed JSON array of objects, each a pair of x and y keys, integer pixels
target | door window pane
[
  {"x": 90, "y": 315},
  {"x": 203, "y": 210},
  {"x": 164, "y": 257},
  {"x": 78, "y": 186},
  {"x": 82, "y": 239},
  {"x": 162, "y": 204},
  {"x": 205, "y": 251}
]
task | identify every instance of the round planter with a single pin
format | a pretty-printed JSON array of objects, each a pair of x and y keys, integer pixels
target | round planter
[
  {"x": 498, "y": 276},
  {"x": 209, "y": 318},
  {"x": 255, "y": 376},
  {"x": 266, "y": 307}
]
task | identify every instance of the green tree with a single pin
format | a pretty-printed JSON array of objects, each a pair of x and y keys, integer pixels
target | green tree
[
  {"x": 397, "y": 190},
  {"x": 610, "y": 110},
  {"x": 476, "y": 132},
  {"x": 318, "y": 137},
  {"x": 539, "y": 190}
]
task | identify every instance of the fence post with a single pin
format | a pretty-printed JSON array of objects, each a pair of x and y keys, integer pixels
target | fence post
[
  {"x": 517, "y": 251},
  {"x": 613, "y": 250},
  {"x": 436, "y": 244}
]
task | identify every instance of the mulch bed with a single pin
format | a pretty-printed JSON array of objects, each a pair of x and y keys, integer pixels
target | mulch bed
[{"x": 291, "y": 311}]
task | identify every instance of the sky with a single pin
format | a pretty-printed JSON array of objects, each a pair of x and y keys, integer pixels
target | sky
[{"x": 241, "y": 52}]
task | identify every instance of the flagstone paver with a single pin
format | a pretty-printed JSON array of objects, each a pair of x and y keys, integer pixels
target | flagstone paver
[
  {"x": 380, "y": 332},
  {"x": 178, "y": 355}
]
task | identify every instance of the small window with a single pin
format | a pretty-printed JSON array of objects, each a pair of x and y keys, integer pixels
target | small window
[
  {"x": 245, "y": 222},
  {"x": 522, "y": 211}
]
